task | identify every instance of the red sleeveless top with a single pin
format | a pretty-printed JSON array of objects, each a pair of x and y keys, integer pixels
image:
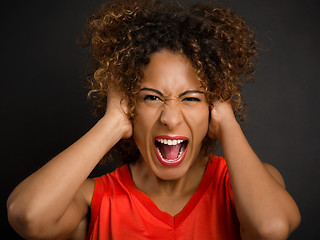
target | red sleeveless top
[{"x": 120, "y": 211}]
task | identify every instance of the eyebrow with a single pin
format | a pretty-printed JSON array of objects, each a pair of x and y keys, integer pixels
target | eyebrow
[
  {"x": 152, "y": 90},
  {"x": 190, "y": 92},
  {"x": 180, "y": 95}
]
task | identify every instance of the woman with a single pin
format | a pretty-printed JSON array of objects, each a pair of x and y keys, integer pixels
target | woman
[{"x": 166, "y": 84}]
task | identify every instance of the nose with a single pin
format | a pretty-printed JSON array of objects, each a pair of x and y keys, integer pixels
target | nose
[{"x": 171, "y": 115}]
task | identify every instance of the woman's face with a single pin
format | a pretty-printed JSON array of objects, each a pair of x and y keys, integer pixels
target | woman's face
[{"x": 172, "y": 115}]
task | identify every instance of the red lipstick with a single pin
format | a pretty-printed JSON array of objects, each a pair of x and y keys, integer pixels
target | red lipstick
[{"x": 170, "y": 150}]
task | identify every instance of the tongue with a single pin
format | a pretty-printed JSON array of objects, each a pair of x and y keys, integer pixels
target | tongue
[{"x": 170, "y": 152}]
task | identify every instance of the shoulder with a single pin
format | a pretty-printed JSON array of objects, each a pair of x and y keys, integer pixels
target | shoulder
[
  {"x": 275, "y": 173},
  {"x": 98, "y": 186},
  {"x": 218, "y": 163},
  {"x": 217, "y": 170}
]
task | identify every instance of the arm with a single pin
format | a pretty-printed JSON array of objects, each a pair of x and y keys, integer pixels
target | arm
[
  {"x": 52, "y": 202},
  {"x": 264, "y": 208}
]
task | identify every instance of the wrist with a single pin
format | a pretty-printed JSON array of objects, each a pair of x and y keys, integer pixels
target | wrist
[
  {"x": 116, "y": 126},
  {"x": 228, "y": 129}
]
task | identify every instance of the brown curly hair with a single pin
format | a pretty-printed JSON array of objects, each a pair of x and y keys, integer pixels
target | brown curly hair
[{"x": 123, "y": 34}]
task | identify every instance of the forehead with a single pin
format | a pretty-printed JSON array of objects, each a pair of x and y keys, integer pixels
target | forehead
[{"x": 170, "y": 71}]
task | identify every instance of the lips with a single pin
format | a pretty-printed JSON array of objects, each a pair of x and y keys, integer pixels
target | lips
[{"x": 169, "y": 150}]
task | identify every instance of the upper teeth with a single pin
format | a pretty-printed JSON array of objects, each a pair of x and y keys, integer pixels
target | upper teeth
[{"x": 169, "y": 141}]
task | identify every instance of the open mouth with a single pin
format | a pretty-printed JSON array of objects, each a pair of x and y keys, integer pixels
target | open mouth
[{"x": 170, "y": 151}]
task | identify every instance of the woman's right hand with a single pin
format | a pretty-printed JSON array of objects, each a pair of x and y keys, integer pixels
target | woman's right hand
[
  {"x": 58, "y": 194},
  {"x": 117, "y": 109}
]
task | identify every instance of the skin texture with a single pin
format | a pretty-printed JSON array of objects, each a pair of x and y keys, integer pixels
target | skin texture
[{"x": 57, "y": 208}]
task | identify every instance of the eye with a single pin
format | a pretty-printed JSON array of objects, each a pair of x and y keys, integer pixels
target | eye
[
  {"x": 151, "y": 98},
  {"x": 191, "y": 99}
]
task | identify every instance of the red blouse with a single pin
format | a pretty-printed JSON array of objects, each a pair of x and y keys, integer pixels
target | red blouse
[{"x": 120, "y": 211}]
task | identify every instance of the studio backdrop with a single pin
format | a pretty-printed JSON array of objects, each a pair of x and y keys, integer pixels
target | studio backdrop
[{"x": 44, "y": 106}]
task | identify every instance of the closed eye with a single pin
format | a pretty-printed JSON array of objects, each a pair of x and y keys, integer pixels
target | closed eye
[
  {"x": 191, "y": 99},
  {"x": 151, "y": 98}
]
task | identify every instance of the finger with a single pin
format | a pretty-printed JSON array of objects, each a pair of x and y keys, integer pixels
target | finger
[{"x": 124, "y": 106}]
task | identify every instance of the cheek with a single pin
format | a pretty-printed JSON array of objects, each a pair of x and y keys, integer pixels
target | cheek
[
  {"x": 140, "y": 129},
  {"x": 142, "y": 126},
  {"x": 139, "y": 134},
  {"x": 199, "y": 123}
]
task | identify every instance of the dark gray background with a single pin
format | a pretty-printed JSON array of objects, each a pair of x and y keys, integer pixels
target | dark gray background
[{"x": 44, "y": 107}]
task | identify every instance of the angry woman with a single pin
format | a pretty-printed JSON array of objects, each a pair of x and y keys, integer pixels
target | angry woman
[{"x": 166, "y": 86}]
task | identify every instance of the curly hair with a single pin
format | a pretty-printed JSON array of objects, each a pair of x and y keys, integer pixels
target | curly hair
[{"x": 123, "y": 34}]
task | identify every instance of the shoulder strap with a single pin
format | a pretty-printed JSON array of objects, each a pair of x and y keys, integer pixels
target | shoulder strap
[
  {"x": 98, "y": 193},
  {"x": 224, "y": 169}
]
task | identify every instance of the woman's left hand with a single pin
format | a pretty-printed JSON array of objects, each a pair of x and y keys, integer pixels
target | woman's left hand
[
  {"x": 251, "y": 180},
  {"x": 222, "y": 117}
]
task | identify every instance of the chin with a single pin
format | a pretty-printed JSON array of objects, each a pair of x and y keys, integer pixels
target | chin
[
  {"x": 172, "y": 173},
  {"x": 171, "y": 170}
]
